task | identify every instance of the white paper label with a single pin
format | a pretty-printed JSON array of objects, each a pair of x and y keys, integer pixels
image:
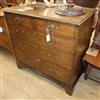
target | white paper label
[
  {"x": 1, "y": 30},
  {"x": 48, "y": 37},
  {"x": 92, "y": 51}
]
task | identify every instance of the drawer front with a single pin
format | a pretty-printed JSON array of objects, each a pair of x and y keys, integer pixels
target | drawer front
[
  {"x": 59, "y": 29},
  {"x": 44, "y": 66},
  {"x": 15, "y": 19},
  {"x": 56, "y": 72},
  {"x": 27, "y": 58},
  {"x": 60, "y": 59}
]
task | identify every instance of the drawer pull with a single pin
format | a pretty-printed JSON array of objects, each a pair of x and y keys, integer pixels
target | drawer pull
[
  {"x": 52, "y": 71},
  {"x": 17, "y": 31},
  {"x": 38, "y": 60},
  {"x": 21, "y": 45},
  {"x": 51, "y": 26},
  {"x": 55, "y": 41},
  {"x": 36, "y": 46},
  {"x": 25, "y": 46},
  {"x": 49, "y": 55},
  {"x": 22, "y": 32},
  {"x": 18, "y": 20}
]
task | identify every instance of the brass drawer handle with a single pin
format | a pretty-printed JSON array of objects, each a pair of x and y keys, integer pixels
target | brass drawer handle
[
  {"x": 36, "y": 46},
  {"x": 17, "y": 31},
  {"x": 49, "y": 55},
  {"x": 18, "y": 20},
  {"x": 22, "y": 32},
  {"x": 38, "y": 60},
  {"x": 51, "y": 26},
  {"x": 23, "y": 46},
  {"x": 56, "y": 42},
  {"x": 52, "y": 71}
]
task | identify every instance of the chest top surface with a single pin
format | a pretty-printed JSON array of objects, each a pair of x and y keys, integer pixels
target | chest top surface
[{"x": 49, "y": 13}]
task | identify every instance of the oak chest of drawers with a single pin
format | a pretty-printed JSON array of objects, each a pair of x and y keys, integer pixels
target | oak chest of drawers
[{"x": 53, "y": 47}]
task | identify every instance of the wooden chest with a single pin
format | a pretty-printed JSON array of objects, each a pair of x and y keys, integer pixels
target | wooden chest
[{"x": 52, "y": 47}]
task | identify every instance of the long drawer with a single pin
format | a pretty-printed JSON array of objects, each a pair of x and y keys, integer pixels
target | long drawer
[
  {"x": 58, "y": 29},
  {"x": 60, "y": 59},
  {"x": 44, "y": 66}
]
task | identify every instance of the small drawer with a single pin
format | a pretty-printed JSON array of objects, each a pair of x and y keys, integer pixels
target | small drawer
[
  {"x": 28, "y": 59},
  {"x": 29, "y": 33},
  {"x": 16, "y": 19}
]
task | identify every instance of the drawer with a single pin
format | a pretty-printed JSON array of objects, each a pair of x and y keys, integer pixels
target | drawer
[
  {"x": 64, "y": 60},
  {"x": 23, "y": 31},
  {"x": 16, "y": 19},
  {"x": 44, "y": 66},
  {"x": 58, "y": 29},
  {"x": 26, "y": 58}
]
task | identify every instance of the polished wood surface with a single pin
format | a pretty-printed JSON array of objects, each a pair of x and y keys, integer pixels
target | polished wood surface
[
  {"x": 4, "y": 36},
  {"x": 59, "y": 58},
  {"x": 49, "y": 14}
]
